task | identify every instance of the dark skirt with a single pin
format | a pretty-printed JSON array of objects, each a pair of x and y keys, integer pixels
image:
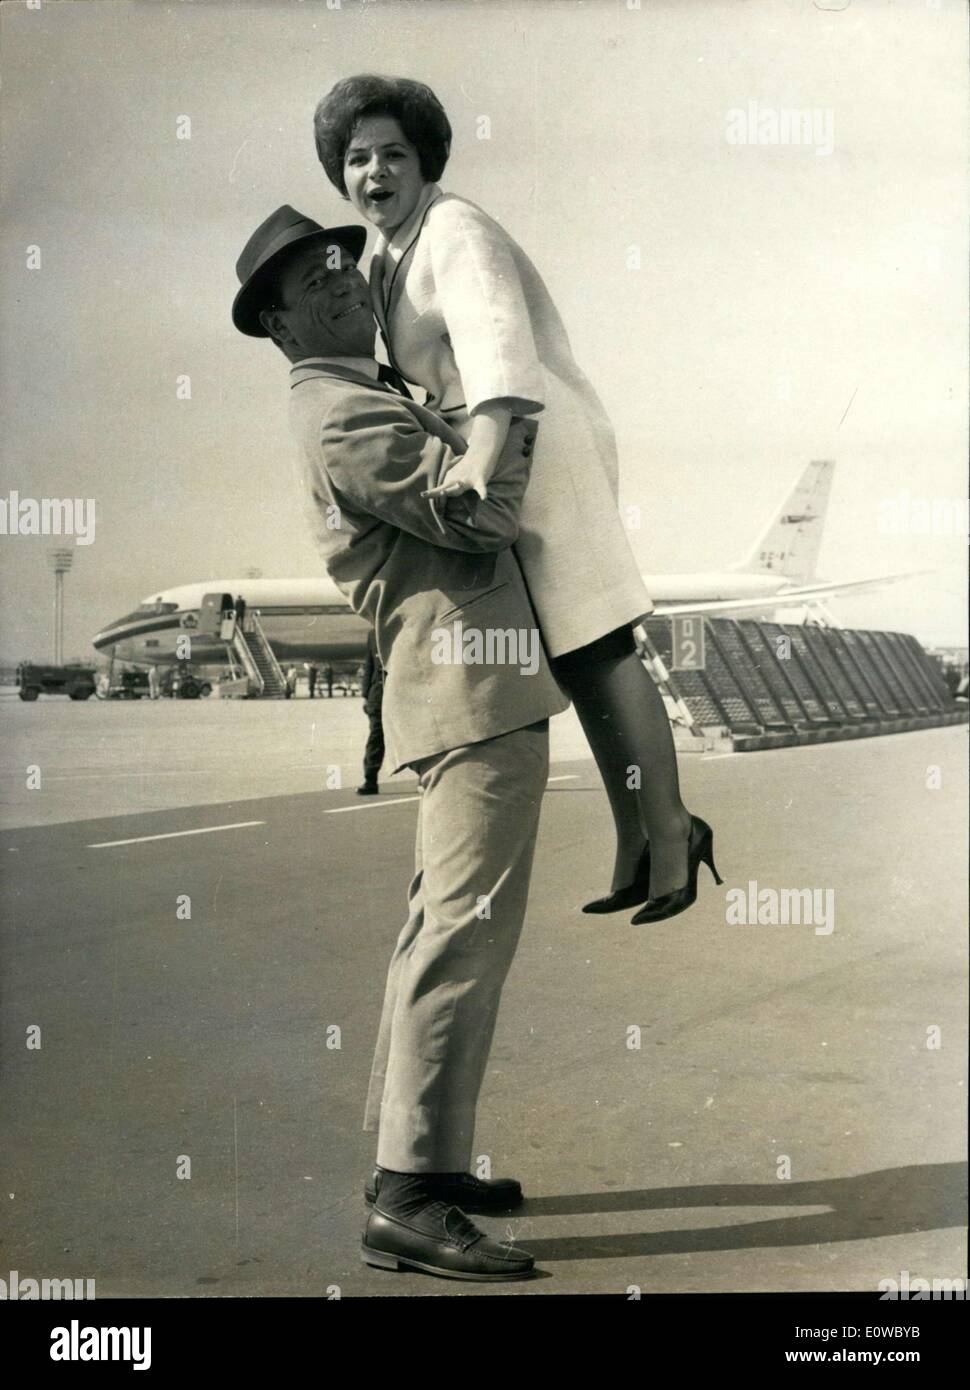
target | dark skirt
[{"x": 611, "y": 647}]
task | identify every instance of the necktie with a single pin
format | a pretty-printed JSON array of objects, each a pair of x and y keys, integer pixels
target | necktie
[{"x": 390, "y": 377}]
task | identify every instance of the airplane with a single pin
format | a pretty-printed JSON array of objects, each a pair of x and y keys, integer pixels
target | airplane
[
  {"x": 298, "y": 620},
  {"x": 779, "y": 569},
  {"x": 309, "y": 620}
]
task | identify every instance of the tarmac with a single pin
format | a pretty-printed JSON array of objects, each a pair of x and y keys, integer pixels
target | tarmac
[{"x": 197, "y": 917}]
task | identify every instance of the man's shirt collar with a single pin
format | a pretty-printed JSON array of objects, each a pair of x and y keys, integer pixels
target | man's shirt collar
[{"x": 365, "y": 366}]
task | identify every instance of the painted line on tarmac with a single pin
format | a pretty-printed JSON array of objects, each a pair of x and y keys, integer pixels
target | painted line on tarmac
[
  {"x": 156, "y": 772},
  {"x": 370, "y": 805},
  {"x": 399, "y": 800},
  {"x": 175, "y": 834}
]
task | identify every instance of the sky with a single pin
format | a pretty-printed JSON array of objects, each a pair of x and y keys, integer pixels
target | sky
[{"x": 741, "y": 308}]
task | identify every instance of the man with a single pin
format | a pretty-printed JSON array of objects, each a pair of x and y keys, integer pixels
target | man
[
  {"x": 372, "y": 689},
  {"x": 421, "y": 569}
]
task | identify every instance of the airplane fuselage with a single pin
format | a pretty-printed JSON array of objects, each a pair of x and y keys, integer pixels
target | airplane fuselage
[
  {"x": 310, "y": 620},
  {"x": 713, "y": 587},
  {"x": 304, "y": 620}
]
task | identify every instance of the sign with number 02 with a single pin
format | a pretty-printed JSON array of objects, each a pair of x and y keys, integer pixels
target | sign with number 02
[{"x": 688, "y": 644}]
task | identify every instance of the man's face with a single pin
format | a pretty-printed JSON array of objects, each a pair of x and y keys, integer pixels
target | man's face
[{"x": 323, "y": 304}]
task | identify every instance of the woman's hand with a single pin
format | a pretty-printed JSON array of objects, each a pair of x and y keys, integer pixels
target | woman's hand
[
  {"x": 486, "y": 440},
  {"x": 469, "y": 473}
]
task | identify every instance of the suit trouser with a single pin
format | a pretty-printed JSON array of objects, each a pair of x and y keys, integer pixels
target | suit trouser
[{"x": 476, "y": 835}]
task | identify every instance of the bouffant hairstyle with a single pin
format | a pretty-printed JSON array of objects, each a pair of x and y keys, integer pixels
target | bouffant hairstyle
[{"x": 414, "y": 106}]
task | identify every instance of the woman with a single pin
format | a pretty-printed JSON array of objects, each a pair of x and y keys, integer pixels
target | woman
[{"x": 465, "y": 314}]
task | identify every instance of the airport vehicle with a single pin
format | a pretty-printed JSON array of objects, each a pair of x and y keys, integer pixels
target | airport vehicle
[
  {"x": 309, "y": 620},
  {"x": 183, "y": 684},
  {"x": 77, "y": 682},
  {"x": 130, "y": 685}
]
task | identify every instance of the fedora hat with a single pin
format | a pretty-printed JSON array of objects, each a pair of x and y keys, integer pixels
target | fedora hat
[{"x": 263, "y": 254}]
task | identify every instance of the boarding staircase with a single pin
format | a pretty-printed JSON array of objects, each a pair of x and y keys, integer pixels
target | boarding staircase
[
  {"x": 762, "y": 685},
  {"x": 256, "y": 657}
]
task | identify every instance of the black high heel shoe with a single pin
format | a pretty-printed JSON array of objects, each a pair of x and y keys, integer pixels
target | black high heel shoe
[
  {"x": 700, "y": 846},
  {"x": 636, "y": 892}
]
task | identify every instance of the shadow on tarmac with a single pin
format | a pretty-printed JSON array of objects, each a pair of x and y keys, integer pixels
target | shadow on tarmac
[{"x": 891, "y": 1201}]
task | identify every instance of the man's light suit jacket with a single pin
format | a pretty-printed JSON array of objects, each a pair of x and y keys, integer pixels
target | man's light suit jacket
[{"x": 414, "y": 569}]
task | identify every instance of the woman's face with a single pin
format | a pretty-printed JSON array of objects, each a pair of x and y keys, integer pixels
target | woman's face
[{"x": 382, "y": 171}]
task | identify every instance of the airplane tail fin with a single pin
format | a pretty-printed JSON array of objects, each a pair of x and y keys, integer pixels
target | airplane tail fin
[{"x": 790, "y": 543}]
